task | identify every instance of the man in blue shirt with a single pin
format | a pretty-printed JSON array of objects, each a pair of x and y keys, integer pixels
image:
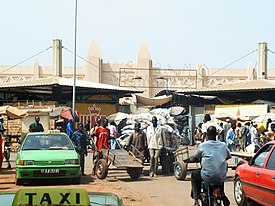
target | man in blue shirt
[
  {"x": 213, "y": 155},
  {"x": 79, "y": 140},
  {"x": 69, "y": 128}
]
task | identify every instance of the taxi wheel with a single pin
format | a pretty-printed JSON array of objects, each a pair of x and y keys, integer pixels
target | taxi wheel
[
  {"x": 180, "y": 170},
  {"x": 18, "y": 181},
  {"x": 76, "y": 180},
  {"x": 239, "y": 193},
  {"x": 101, "y": 169}
]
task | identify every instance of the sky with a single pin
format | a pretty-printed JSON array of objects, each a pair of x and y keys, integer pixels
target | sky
[{"x": 178, "y": 33}]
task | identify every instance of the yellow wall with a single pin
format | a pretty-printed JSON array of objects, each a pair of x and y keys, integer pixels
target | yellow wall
[{"x": 242, "y": 109}]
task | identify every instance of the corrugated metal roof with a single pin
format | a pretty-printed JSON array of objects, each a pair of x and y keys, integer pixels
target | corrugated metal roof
[
  {"x": 67, "y": 82},
  {"x": 250, "y": 85}
]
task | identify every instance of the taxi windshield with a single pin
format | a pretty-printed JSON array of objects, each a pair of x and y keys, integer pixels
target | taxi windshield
[{"x": 47, "y": 142}]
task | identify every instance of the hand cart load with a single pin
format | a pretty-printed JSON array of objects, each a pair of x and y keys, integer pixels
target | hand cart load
[{"x": 119, "y": 158}]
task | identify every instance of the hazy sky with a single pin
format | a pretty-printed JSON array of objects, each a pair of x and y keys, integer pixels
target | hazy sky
[{"x": 177, "y": 32}]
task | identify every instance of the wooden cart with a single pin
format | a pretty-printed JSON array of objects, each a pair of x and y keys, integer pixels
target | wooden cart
[
  {"x": 180, "y": 166},
  {"x": 119, "y": 158}
]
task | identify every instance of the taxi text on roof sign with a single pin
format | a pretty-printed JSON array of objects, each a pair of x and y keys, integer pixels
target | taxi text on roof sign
[
  {"x": 54, "y": 131},
  {"x": 51, "y": 196}
]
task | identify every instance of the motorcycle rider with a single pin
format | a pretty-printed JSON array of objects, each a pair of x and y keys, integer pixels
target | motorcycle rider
[{"x": 213, "y": 155}]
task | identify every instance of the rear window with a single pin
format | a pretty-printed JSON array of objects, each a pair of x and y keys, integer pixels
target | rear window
[{"x": 47, "y": 141}]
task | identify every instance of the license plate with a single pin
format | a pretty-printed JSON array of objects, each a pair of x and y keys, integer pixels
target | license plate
[{"x": 50, "y": 171}]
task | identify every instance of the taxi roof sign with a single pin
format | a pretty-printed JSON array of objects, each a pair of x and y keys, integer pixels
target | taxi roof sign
[
  {"x": 51, "y": 196},
  {"x": 54, "y": 131}
]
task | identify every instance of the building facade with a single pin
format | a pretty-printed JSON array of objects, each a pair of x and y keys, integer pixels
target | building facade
[{"x": 140, "y": 74}]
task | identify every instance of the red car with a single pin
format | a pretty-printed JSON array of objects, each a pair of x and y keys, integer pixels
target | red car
[{"x": 256, "y": 180}]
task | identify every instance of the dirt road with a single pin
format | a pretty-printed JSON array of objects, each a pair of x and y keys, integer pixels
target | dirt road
[{"x": 161, "y": 191}]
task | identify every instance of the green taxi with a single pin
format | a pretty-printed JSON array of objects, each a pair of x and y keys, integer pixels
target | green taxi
[{"x": 45, "y": 156}]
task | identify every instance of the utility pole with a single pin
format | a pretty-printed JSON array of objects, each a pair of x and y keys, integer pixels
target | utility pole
[{"x": 74, "y": 75}]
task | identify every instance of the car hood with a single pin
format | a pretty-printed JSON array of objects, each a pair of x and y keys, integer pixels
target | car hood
[{"x": 42, "y": 155}]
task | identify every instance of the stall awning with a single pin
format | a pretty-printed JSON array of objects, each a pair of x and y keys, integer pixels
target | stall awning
[{"x": 142, "y": 101}]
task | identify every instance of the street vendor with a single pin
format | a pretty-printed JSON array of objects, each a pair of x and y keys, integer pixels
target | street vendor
[
  {"x": 36, "y": 125},
  {"x": 138, "y": 141},
  {"x": 79, "y": 140},
  {"x": 156, "y": 141},
  {"x": 101, "y": 135}
]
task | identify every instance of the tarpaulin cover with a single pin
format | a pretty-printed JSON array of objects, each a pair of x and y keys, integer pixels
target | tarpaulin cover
[
  {"x": 152, "y": 102},
  {"x": 118, "y": 117},
  {"x": 265, "y": 117},
  {"x": 61, "y": 112},
  {"x": 13, "y": 112}
]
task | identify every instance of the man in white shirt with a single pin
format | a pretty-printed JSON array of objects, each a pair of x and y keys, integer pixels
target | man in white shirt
[
  {"x": 156, "y": 141},
  {"x": 206, "y": 124}
]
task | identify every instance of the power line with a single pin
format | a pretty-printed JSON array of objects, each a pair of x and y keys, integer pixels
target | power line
[
  {"x": 234, "y": 62},
  {"x": 271, "y": 51},
  {"x": 224, "y": 67},
  {"x": 26, "y": 59}
]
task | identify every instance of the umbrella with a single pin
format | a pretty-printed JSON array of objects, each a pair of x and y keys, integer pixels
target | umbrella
[
  {"x": 223, "y": 116},
  {"x": 62, "y": 112},
  {"x": 265, "y": 117},
  {"x": 118, "y": 117},
  {"x": 13, "y": 112}
]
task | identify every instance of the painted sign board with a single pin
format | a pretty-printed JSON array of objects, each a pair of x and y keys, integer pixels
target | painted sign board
[{"x": 93, "y": 112}]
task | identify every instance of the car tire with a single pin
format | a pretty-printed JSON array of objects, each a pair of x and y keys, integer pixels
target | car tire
[
  {"x": 180, "y": 170},
  {"x": 101, "y": 169},
  {"x": 239, "y": 195},
  {"x": 18, "y": 181},
  {"x": 134, "y": 173},
  {"x": 76, "y": 180}
]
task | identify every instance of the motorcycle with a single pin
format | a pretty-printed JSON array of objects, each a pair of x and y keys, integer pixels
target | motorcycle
[{"x": 212, "y": 194}]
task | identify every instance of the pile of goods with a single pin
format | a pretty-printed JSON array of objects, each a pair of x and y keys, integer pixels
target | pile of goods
[{"x": 173, "y": 120}]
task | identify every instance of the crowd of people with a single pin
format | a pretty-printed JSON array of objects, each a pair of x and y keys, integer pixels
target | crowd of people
[
  {"x": 214, "y": 143},
  {"x": 238, "y": 136}
]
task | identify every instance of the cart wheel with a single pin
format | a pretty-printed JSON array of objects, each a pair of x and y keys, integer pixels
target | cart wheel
[
  {"x": 180, "y": 170},
  {"x": 165, "y": 164},
  {"x": 134, "y": 173},
  {"x": 101, "y": 169}
]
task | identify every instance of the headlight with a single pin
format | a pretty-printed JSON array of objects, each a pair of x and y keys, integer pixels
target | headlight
[
  {"x": 71, "y": 162},
  {"x": 26, "y": 162}
]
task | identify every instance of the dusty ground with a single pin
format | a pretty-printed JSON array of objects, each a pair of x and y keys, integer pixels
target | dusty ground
[{"x": 164, "y": 190}]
